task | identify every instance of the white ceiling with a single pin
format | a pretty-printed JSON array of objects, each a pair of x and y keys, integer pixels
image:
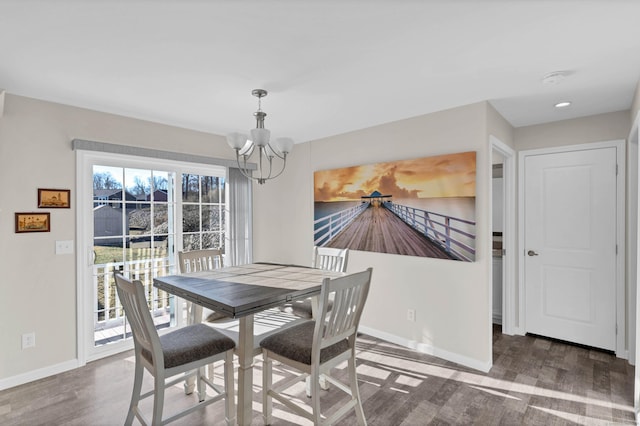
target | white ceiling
[{"x": 330, "y": 66}]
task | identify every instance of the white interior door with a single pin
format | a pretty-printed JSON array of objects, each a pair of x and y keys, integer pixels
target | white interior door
[{"x": 570, "y": 245}]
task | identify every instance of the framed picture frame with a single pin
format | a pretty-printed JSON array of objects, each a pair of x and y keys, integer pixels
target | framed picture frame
[
  {"x": 54, "y": 198},
  {"x": 33, "y": 222}
]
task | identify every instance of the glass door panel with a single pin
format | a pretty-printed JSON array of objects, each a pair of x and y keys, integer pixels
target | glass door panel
[
  {"x": 203, "y": 211},
  {"x": 133, "y": 232}
]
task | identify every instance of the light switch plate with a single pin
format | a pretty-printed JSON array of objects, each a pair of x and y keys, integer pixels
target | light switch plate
[{"x": 64, "y": 247}]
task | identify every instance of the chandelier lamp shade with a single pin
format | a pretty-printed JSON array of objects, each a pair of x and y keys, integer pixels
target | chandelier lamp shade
[{"x": 258, "y": 143}]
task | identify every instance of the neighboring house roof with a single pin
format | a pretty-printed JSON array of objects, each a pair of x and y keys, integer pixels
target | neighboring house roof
[
  {"x": 106, "y": 209},
  {"x": 113, "y": 194},
  {"x": 106, "y": 193}
]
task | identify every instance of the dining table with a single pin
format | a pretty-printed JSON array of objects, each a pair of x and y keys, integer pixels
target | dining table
[{"x": 240, "y": 292}]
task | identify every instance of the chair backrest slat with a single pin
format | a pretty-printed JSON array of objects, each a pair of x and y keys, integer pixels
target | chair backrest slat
[
  {"x": 330, "y": 259},
  {"x": 199, "y": 260}
]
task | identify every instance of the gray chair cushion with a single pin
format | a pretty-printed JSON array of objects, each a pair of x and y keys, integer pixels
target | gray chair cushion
[
  {"x": 295, "y": 343},
  {"x": 215, "y": 316},
  {"x": 191, "y": 343},
  {"x": 302, "y": 308}
]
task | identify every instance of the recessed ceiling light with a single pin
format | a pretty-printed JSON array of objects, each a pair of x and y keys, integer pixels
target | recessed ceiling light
[{"x": 563, "y": 104}]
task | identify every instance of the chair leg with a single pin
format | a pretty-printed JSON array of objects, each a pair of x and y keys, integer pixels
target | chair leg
[
  {"x": 202, "y": 387},
  {"x": 194, "y": 313},
  {"x": 194, "y": 316},
  {"x": 158, "y": 399},
  {"x": 324, "y": 384},
  {"x": 229, "y": 399},
  {"x": 189, "y": 385},
  {"x": 355, "y": 392},
  {"x": 267, "y": 400},
  {"x": 211, "y": 371},
  {"x": 315, "y": 396},
  {"x": 135, "y": 394}
]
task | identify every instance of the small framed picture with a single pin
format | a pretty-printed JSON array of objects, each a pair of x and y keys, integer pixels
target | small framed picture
[
  {"x": 33, "y": 222},
  {"x": 54, "y": 198}
]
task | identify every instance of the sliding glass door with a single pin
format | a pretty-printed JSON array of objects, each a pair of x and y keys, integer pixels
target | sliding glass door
[{"x": 135, "y": 215}]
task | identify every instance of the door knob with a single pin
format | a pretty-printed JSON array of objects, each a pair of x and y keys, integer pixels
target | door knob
[{"x": 532, "y": 253}]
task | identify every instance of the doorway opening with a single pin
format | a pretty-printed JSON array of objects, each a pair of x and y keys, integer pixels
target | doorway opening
[{"x": 504, "y": 297}]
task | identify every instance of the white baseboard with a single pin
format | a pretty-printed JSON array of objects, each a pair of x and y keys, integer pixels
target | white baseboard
[
  {"x": 428, "y": 349},
  {"x": 41, "y": 373}
]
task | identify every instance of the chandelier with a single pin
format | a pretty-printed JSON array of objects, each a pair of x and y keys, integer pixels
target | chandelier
[{"x": 258, "y": 143}]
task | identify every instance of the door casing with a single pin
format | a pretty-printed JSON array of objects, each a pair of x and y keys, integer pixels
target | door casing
[{"x": 509, "y": 300}]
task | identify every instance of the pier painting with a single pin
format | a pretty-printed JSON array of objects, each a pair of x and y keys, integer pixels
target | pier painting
[{"x": 418, "y": 207}]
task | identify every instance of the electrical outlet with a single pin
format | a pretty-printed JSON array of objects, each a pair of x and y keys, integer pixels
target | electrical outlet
[
  {"x": 28, "y": 340},
  {"x": 411, "y": 314}
]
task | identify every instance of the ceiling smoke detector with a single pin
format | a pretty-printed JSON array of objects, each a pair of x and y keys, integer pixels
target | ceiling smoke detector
[{"x": 554, "y": 78}]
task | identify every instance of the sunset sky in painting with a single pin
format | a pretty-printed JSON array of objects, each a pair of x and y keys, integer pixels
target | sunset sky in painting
[{"x": 452, "y": 175}]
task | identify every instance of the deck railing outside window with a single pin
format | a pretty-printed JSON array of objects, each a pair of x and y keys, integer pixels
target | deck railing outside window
[{"x": 108, "y": 314}]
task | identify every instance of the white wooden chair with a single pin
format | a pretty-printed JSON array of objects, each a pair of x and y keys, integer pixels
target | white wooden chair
[
  {"x": 194, "y": 261},
  {"x": 186, "y": 350},
  {"x": 330, "y": 259},
  {"x": 200, "y": 260},
  {"x": 316, "y": 346}
]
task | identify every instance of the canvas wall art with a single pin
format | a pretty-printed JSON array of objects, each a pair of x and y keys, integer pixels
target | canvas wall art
[{"x": 418, "y": 207}]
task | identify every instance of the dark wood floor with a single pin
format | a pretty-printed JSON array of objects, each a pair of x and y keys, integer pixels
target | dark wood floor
[{"x": 534, "y": 381}]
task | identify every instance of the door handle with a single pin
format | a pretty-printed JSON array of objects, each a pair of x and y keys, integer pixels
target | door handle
[{"x": 532, "y": 253}]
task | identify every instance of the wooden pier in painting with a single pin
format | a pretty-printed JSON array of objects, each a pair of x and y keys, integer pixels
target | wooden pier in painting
[{"x": 378, "y": 229}]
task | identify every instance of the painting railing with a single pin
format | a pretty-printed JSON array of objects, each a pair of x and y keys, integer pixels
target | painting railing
[
  {"x": 108, "y": 309},
  {"x": 329, "y": 226},
  {"x": 446, "y": 231}
]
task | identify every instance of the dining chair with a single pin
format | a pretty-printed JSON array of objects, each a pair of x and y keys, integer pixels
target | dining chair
[
  {"x": 315, "y": 346},
  {"x": 186, "y": 350},
  {"x": 200, "y": 260},
  {"x": 195, "y": 261},
  {"x": 328, "y": 259}
]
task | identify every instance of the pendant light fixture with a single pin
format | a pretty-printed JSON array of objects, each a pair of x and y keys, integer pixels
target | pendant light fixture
[{"x": 258, "y": 143}]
